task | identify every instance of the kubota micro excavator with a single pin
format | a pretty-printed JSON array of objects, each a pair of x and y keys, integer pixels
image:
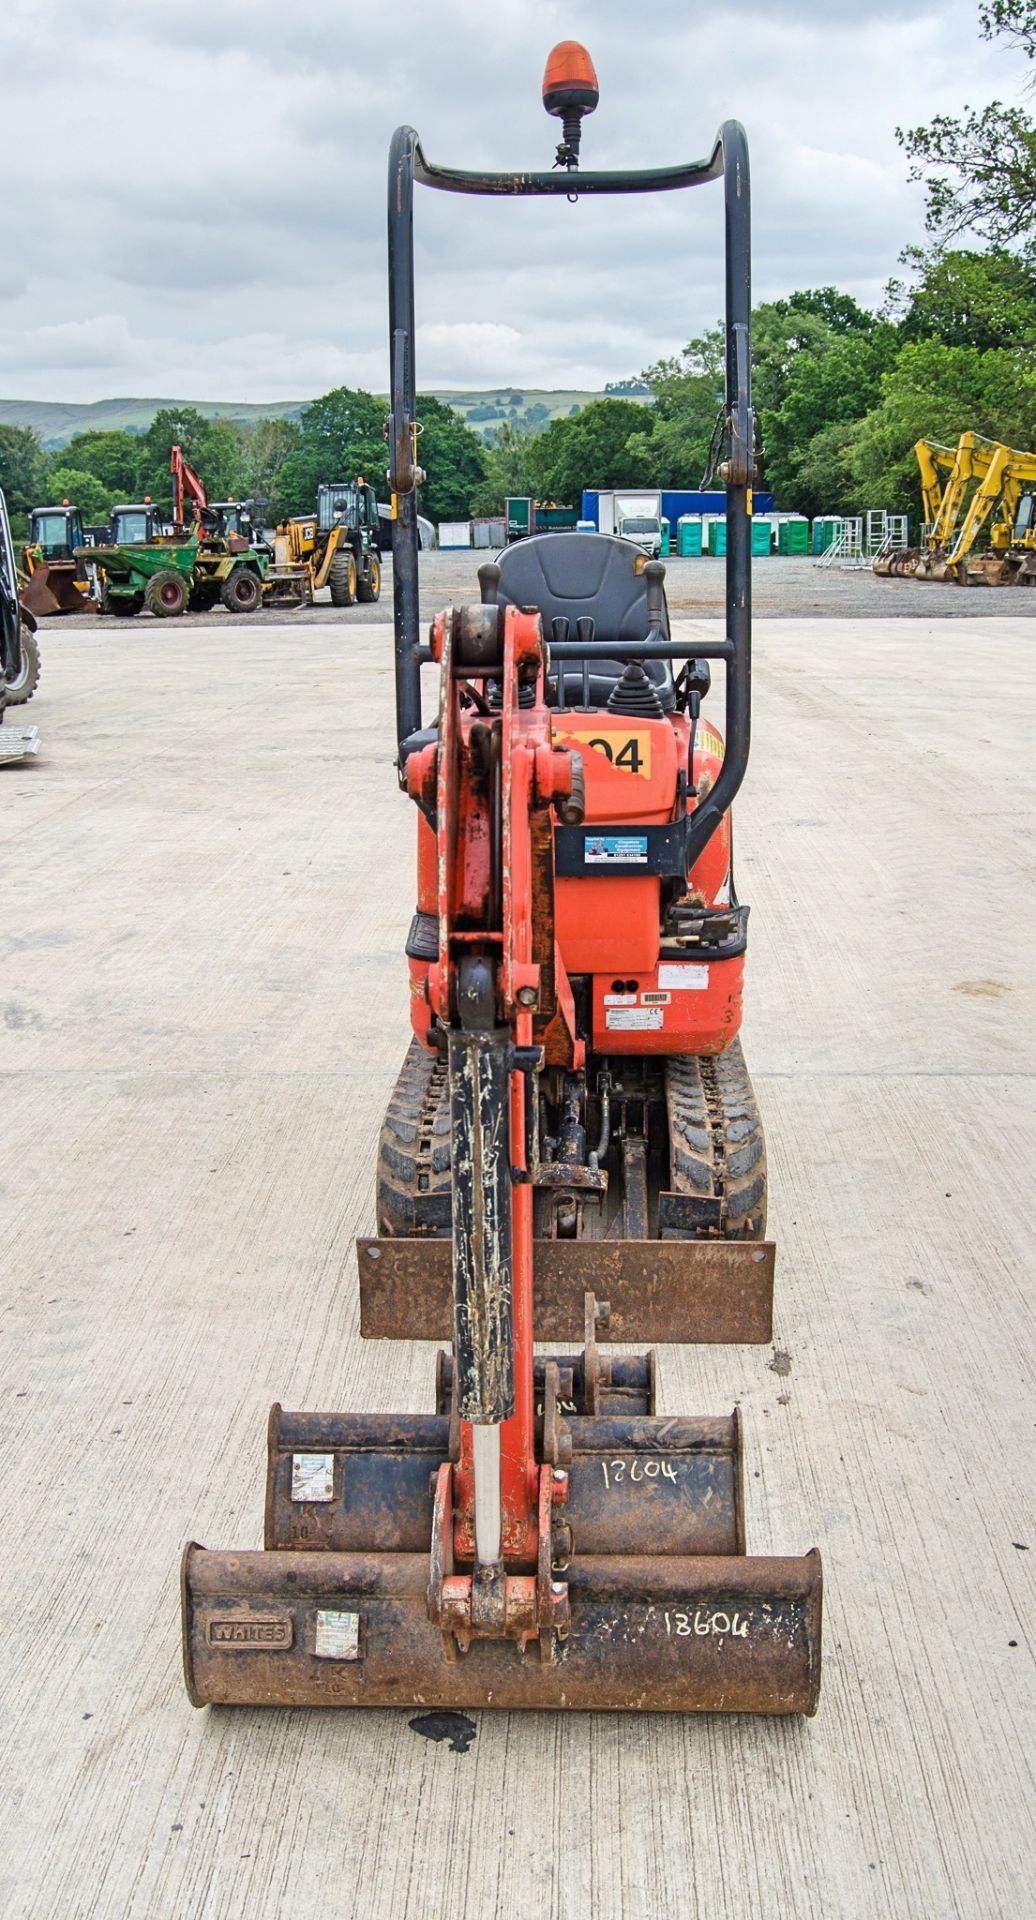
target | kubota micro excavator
[{"x": 573, "y": 1119}]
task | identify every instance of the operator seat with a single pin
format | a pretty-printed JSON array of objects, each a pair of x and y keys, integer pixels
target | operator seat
[{"x": 573, "y": 574}]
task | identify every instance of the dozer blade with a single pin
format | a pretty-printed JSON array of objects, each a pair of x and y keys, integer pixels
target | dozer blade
[
  {"x": 704, "y": 1291},
  {"x": 683, "y": 1635}
]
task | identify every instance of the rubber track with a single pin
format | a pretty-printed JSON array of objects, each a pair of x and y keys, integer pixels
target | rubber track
[
  {"x": 716, "y": 1143},
  {"x": 414, "y": 1149}
]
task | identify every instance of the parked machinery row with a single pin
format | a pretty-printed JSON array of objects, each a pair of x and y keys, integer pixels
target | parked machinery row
[
  {"x": 966, "y": 489},
  {"x": 215, "y": 552}
]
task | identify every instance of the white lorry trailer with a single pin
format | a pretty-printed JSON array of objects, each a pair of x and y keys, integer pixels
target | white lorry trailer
[{"x": 634, "y": 514}]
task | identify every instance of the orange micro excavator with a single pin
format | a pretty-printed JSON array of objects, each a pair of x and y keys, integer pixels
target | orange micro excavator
[{"x": 572, "y": 1150}]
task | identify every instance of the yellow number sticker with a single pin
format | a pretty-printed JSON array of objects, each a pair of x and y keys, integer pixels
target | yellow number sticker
[{"x": 630, "y": 752}]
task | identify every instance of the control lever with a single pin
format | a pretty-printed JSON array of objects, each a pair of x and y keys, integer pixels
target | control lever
[
  {"x": 654, "y": 575},
  {"x": 585, "y": 630},
  {"x": 560, "y": 628}
]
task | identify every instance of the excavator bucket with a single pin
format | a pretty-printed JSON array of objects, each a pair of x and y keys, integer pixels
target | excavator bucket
[
  {"x": 663, "y": 1610},
  {"x": 51, "y": 588},
  {"x": 696, "y": 1634}
]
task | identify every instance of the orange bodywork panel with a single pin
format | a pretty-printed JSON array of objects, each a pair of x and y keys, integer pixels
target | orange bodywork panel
[
  {"x": 679, "y": 1006},
  {"x": 608, "y": 925},
  {"x": 610, "y": 922}
]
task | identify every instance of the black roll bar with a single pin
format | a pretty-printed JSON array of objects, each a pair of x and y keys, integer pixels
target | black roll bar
[{"x": 728, "y": 162}]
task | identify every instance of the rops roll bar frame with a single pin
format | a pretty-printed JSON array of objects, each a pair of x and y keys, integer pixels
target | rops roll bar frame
[{"x": 728, "y": 162}]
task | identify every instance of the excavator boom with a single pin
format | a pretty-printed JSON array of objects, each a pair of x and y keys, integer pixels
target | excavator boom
[{"x": 185, "y": 481}]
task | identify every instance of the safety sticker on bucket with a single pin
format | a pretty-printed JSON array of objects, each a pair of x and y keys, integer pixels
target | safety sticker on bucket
[
  {"x": 337, "y": 1636},
  {"x": 637, "y": 1017},
  {"x": 312, "y": 1476}
]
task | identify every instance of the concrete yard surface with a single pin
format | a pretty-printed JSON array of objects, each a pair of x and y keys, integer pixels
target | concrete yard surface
[{"x": 207, "y": 885}]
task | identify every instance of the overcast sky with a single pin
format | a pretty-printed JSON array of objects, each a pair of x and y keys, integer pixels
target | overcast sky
[{"x": 194, "y": 194}]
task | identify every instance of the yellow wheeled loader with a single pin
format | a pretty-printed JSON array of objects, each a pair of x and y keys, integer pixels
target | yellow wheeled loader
[
  {"x": 57, "y": 576},
  {"x": 335, "y": 547}
]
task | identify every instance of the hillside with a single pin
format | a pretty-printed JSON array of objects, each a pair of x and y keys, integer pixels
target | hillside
[{"x": 56, "y": 421}]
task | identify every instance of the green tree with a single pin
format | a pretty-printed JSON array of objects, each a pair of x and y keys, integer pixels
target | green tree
[
  {"x": 511, "y": 468},
  {"x": 980, "y": 170},
  {"x": 212, "y": 448},
  {"x": 937, "y": 392},
  {"x": 114, "y": 458},
  {"x": 824, "y": 391},
  {"x": 670, "y": 442},
  {"x": 807, "y": 322},
  {"x": 81, "y": 489},
  {"x": 451, "y": 456},
  {"x": 265, "y": 448},
  {"x": 969, "y": 299},
  {"x": 817, "y": 359},
  {"x": 590, "y": 450},
  {"x": 22, "y": 468},
  {"x": 340, "y": 435}
]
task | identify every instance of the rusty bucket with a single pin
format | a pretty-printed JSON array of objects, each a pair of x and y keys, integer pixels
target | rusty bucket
[
  {"x": 709, "y": 1634},
  {"x": 637, "y": 1593}
]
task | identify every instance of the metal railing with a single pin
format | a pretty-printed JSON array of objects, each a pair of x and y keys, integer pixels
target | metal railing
[{"x": 727, "y": 162}]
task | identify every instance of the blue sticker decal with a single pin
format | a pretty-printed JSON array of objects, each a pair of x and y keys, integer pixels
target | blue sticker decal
[{"x": 616, "y": 849}]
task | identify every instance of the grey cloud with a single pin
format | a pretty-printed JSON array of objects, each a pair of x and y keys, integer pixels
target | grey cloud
[{"x": 201, "y": 191}]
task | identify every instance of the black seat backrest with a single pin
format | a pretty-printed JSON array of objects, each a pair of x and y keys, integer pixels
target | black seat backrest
[{"x": 572, "y": 574}]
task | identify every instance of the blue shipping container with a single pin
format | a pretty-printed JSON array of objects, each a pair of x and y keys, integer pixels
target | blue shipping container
[{"x": 676, "y": 502}]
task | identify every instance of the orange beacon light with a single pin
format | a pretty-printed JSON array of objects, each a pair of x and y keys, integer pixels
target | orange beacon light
[{"x": 569, "y": 90}]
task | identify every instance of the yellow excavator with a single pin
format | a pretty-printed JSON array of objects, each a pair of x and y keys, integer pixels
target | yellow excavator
[
  {"x": 1005, "y": 498},
  {"x": 995, "y": 477}
]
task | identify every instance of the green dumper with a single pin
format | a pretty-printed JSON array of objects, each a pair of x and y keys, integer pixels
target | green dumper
[{"x": 169, "y": 575}]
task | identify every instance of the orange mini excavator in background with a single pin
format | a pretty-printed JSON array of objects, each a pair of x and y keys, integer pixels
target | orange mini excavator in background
[{"x": 573, "y": 1120}]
